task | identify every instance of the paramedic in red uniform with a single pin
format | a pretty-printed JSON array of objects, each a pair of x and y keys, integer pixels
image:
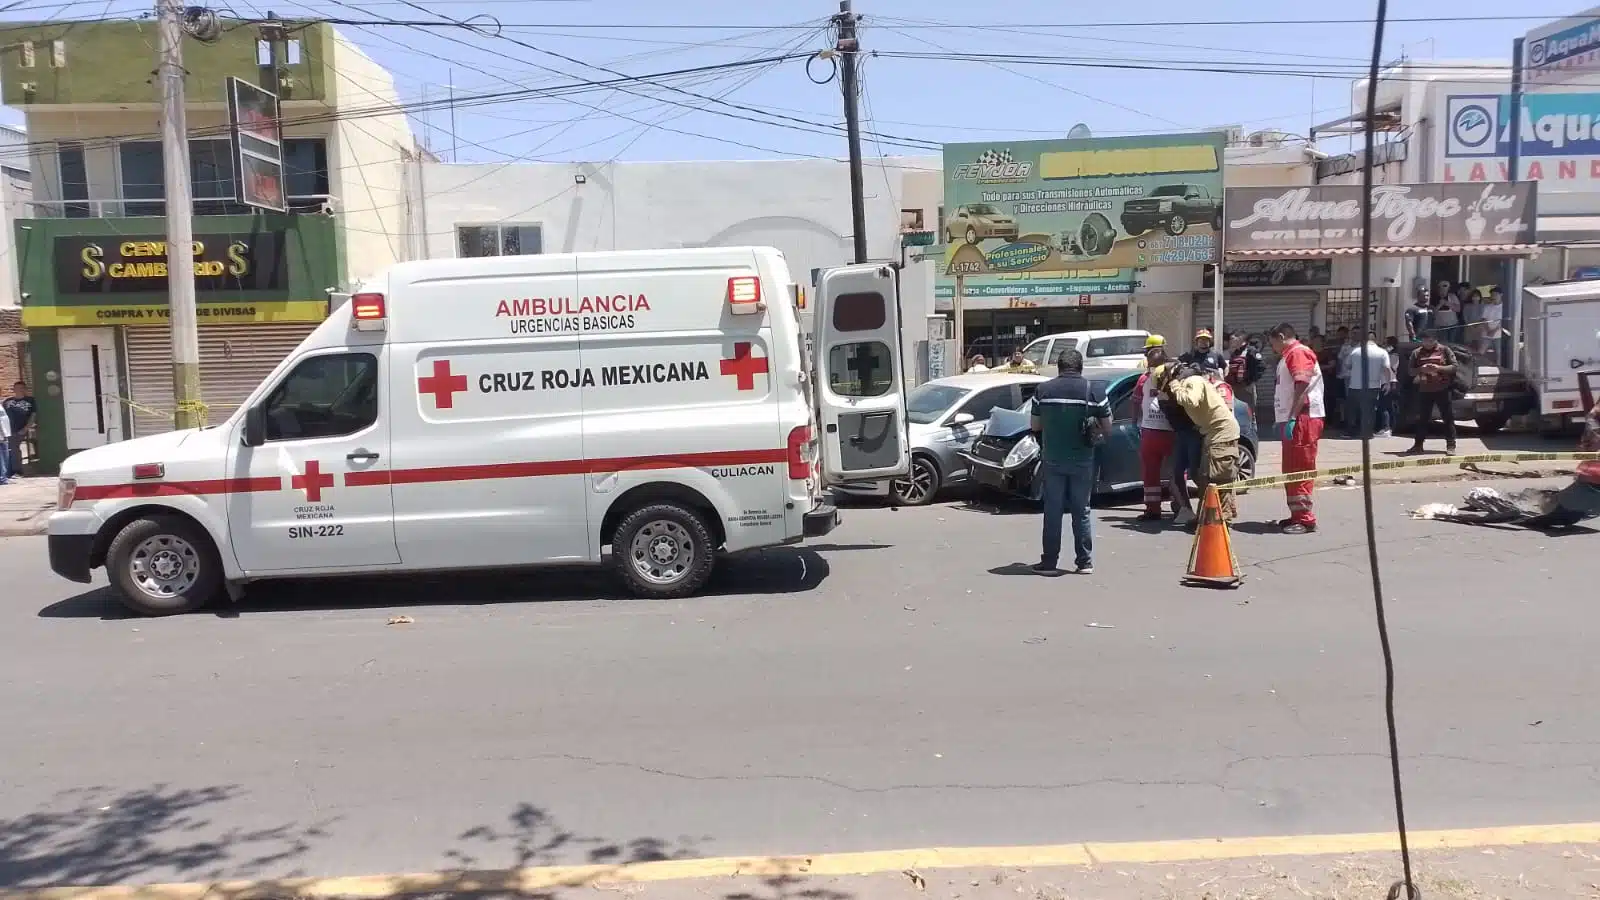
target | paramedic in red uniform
[
  {"x": 1297, "y": 407},
  {"x": 1155, "y": 432}
]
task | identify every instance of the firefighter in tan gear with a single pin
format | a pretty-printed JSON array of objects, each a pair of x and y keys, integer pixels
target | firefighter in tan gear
[{"x": 1209, "y": 406}]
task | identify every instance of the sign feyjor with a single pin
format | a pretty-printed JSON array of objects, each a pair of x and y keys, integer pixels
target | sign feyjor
[
  {"x": 1328, "y": 217},
  {"x": 1560, "y": 138}
]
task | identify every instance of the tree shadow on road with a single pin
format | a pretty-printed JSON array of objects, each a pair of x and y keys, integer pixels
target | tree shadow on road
[{"x": 103, "y": 836}]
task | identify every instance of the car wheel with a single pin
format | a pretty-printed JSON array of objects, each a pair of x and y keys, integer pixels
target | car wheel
[
  {"x": 1177, "y": 225},
  {"x": 919, "y": 486},
  {"x": 972, "y": 235},
  {"x": 1247, "y": 463},
  {"x": 1490, "y": 424},
  {"x": 663, "y": 551},
  {"x": 1096, "y": 236},
  {"x": 163, "y": 566}
]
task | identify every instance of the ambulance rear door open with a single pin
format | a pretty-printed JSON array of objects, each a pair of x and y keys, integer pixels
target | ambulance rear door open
[{"x": 859, "y": 385}]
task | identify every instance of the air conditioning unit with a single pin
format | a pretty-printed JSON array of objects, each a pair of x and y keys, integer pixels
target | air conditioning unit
[
  {"x": 1235, "y": 134},
  {"x": 1269, "y": 138}
]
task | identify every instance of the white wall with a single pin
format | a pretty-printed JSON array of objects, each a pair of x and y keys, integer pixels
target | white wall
[
  {"x": 367, "y": 163},
  {"x": 15, "y": 192}
]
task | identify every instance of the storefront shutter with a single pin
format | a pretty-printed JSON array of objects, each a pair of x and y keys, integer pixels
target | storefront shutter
[
  {"x": 233, "y": 361},
  {"x": 1258, "y": 315}
]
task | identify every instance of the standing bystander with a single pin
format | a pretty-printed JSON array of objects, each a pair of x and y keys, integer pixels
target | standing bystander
[
  {"x": 1433, "y": 369},
  {"x": 1245, "y": 368},
  {"x": 1209, "y": 405},
  {"x": 1367, "y": 377},
  {"x": 1298, "y": 407},
  {"x": 19, "y": 410},
  {"x": 1070, "y": 418},
  {"x": 1155, "y": 432}
]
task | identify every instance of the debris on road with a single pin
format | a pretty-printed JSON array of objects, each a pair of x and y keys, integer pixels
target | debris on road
[
  {"x": 401, "y": 620},
  {"x": 917, "y": 880},
  {"x": 1532, "y": 508},
  {"x": 1034, "y": 640},
  {"x": 1098, "y": 625}
]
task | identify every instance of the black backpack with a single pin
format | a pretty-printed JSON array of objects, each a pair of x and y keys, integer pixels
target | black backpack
[{"x": 1465, "y": 373}]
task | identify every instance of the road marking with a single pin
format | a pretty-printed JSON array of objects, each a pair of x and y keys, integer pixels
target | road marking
[{"x": 360, "y": 887}]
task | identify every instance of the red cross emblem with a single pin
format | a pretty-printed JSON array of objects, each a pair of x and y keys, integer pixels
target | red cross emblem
[
  {"x": 312, "y": 482},
  {"x": 442, "y": 384},
  {"x": 745, "y": 367}
]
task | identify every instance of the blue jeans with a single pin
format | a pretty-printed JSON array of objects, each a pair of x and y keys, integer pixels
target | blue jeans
[
  {"x": 5, "y": 460},
  {"x": 1067, "y": 488}
]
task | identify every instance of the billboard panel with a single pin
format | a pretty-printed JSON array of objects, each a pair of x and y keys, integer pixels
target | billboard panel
[{"x": 257, "y": 146}]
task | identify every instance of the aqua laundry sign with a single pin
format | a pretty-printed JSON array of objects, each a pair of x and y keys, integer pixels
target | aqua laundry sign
[{"x": 1559, "y": 135}]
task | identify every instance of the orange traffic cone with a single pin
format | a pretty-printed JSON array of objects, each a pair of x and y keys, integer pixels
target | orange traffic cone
[{"x": 1211, "y": 562}]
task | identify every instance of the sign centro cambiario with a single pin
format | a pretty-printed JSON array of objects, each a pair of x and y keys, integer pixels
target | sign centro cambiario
[{"x": 123, "y": 264}]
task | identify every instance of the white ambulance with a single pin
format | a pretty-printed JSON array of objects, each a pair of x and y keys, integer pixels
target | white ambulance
[{"x": 515, "y": 411}]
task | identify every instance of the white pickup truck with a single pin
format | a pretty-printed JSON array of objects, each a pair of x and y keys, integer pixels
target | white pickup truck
[{"x": 1561, "y": 338}]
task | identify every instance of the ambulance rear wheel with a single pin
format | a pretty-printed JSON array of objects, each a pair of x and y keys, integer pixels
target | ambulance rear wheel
[
  {"x": 664, "y": 551},
  {"x": 163, "y": 565}
]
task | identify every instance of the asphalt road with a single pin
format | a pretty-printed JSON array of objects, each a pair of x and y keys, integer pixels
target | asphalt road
[{"x": 901, "y": 685}]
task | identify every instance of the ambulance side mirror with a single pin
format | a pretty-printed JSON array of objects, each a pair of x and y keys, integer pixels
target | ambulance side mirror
[{"x": 255, "y": 427}]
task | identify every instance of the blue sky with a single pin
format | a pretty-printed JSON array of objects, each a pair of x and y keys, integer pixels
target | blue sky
[{"x": 919, "y": 102}]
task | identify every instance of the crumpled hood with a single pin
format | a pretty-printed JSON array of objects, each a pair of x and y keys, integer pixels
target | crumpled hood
[{"x": 1007, "y": 423}]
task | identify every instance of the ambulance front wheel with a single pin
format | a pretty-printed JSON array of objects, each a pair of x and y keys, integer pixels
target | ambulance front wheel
[
  {"x": 163, "y": 565},
  {"x": 663, "y": 551}
]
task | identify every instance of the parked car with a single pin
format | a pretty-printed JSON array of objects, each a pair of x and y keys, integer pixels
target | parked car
[
  {"x": 1118, "y": 348},
  {"x": 946, "y": 415},
  {"x": 1173, "y": 208},
  {"x": 1006, "y": 457},
  {"x": 1497, "y": 395},
  {"x": 975, "y": 222}
]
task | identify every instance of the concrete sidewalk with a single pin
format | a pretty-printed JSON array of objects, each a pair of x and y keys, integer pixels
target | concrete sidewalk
[
  {"x": 1336, "y": 452},
  {"x": 25, "y": 504}
]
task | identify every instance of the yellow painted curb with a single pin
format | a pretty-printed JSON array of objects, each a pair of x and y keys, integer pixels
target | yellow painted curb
[{"x": 360, "y": 887}]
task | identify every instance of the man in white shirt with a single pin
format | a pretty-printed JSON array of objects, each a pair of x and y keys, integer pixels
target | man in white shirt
[
  {"x": 5, "y": 448},
  {"x": 1368, "y": 361}
]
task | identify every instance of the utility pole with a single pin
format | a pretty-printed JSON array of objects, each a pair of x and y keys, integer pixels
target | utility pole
[
  {"x": 188, "y": 411},
  {"x": 1512, "y": 339},
  {"x": 848, "y": 46}
]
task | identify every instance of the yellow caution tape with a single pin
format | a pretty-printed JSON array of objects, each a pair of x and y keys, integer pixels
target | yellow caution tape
[
  {"x": 1388, "y": 465},
  {"x": 195, "y": 406}
]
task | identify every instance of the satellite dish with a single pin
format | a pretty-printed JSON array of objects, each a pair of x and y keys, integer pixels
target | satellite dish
[{"x": 1079, "y": 130}]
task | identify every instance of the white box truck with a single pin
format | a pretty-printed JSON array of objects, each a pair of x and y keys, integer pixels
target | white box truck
[{"x": 1561, "y": 338}]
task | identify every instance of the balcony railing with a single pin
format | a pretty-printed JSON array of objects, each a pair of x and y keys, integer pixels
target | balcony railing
[{"x": 138, "y": 209}]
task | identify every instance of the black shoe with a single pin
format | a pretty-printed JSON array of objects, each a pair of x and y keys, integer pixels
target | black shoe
[
  {"x": 1150, "y": 516},
  {"x": 1416, "y": 449},
  {"x": 1048, "y": 570}
]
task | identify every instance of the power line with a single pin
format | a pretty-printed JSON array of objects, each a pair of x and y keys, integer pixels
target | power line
[
  {"x": 1029, "y": 26},
  {"x": 559, "y": 91}
]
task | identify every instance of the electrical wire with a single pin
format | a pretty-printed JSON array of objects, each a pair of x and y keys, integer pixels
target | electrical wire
[
  {"x": 1224, "y": 23},
  {"x": 1407, "y": 884}
]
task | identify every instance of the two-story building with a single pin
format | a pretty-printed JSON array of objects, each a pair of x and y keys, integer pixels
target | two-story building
[{"x": 90, "y": 256}]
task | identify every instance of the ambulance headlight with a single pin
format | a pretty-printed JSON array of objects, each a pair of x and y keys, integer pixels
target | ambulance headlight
[{"x": 1025, "y": 451}]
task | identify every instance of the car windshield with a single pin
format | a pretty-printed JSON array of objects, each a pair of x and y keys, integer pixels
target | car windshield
[
  {"x": 982, "y": 209},
  {"x": 927, "y": 402},
  {"x": 1169, "y": 190}
]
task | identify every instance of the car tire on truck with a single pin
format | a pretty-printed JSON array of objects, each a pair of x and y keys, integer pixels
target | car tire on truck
[
  {"x": 664, "y": 551},
  {"x": 163, "y": 566}
]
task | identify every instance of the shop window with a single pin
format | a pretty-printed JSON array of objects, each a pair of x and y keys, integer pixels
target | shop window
[
  {"x": 499, "y": 240},
  {"x": 860, "y": 369},
  {"x": 323, "y": 397},
  {"x": 74, "y": 175},
  {"x": 211, "y": 177}
]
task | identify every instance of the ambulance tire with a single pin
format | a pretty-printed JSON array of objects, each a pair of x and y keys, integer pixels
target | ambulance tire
[
  {"x": 171, "y": 555},
  {"x": 650, "y": 547}
]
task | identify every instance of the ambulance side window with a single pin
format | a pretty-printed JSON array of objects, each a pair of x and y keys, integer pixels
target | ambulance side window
[
  {"x": 324, "y": 396},
  {"x": 861, "y": 368}
]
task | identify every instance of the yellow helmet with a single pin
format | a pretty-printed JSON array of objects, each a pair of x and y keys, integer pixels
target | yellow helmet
[{"x": 1154, "y": 340}]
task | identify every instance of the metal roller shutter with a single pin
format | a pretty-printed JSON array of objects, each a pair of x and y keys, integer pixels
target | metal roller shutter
[
  {"x": 233, "y": 360},
  {"x": 1258, "y": 315}
]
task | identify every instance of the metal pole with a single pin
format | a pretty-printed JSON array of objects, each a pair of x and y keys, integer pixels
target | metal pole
[
  {"x": 958, "y": 305},
  {"x": 188, "y": 411},
  {"x": 848, "y": 45},
  {"x": 1513, "y": 306},
  {"x": 455, "y": 146},
  {"x": 1216, "y": 307}
]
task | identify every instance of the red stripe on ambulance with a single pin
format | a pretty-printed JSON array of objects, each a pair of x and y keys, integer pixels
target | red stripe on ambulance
[{"x": 314, "y": 480}]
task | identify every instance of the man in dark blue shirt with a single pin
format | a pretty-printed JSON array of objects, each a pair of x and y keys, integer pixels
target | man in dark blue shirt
[{"x": 1070, "y": 417}]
